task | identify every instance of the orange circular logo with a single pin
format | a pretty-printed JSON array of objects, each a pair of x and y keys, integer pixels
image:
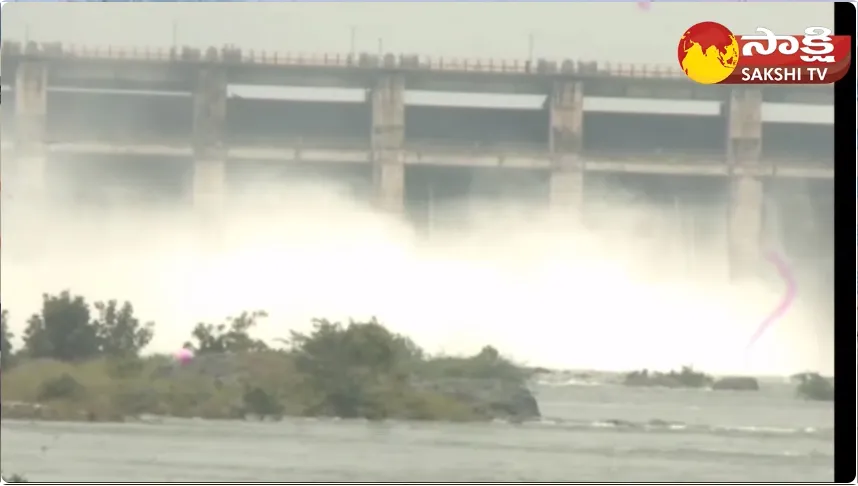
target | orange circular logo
[{"x": 708, "y": 52}]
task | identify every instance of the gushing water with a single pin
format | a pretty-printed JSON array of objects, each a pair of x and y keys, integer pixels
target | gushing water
[{"x": 541, "y": 290}]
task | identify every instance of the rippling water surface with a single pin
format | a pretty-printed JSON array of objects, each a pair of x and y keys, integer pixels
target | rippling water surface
[{"x": 604, "y": 433}]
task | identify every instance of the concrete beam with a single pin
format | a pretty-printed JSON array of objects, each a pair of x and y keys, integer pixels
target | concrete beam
[
  {"x": 744, "y": 126},
  {"x": 566, "y": 123},
  {"x": 566, "y": 112},
  {"x": 31, "y": 105},
  {"x": 388, "y": 135},
  {"x": 209, "y": 181},
  {"x": 744, "y": 147}
]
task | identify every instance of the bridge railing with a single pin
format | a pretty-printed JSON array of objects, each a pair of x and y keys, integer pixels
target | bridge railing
[{"x": 233, "y": 55}]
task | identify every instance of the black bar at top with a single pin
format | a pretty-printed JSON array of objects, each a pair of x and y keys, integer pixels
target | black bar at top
[{"x": 845, "y": 233}]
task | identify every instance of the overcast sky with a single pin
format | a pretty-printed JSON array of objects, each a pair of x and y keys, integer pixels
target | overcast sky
[{"x": 615, "y": 32}]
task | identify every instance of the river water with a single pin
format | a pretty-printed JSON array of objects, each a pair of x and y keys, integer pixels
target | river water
[{"x": 590, "y": 433}]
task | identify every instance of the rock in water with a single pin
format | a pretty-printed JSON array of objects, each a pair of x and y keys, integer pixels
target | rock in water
[
  {"x": 493, "y": 398},
  {"x": 517, "y": 403},
  {"x": 744, "y": 383}
]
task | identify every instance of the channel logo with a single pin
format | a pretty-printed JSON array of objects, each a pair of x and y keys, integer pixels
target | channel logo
[{"x": 709, "y": 53}]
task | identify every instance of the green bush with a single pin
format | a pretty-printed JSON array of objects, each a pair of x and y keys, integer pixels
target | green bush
[
  {"x": 352, "y": 370},
  {"x": 6, "y": 351},
  {"x": 125, "y": 367},
  {"x": 262, "y": 404},
  {"x": 231, "y": 336},
  {"x": 130, "y": 400},
  {"x": 61, "y": 387},
  {"x": 67, "y": 329}
]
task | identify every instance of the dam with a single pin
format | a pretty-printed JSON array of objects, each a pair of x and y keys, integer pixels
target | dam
[{"x": 200, "y": 116}]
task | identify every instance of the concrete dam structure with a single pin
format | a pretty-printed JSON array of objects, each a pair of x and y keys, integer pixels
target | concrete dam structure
[{"x": 192, "y": 116}]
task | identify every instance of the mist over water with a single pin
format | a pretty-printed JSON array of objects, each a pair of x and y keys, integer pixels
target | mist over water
[{"x": 542, "y": 290}]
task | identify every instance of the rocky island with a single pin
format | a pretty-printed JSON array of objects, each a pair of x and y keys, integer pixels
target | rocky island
[
  {"x": 688, "y": 377},
  {"x": 85, "y": 362},
  {"x": 813, "y": 386},
  {"x": 809, "y": 385}
]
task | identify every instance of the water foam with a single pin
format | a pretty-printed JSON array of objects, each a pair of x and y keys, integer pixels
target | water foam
[{"x": 543, "y": 291}]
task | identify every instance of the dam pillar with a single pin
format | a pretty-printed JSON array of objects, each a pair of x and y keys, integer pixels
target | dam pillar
[
  {"x": 31, "y": 104},
  {"x": 209, "y": 175},
  {"x": 566, "y": 123},
  {"x": 744, "y": 146},
  {"x": 388, "y": 136}
]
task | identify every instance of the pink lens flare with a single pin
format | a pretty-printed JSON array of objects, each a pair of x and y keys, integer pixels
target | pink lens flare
[
  {"x": 184, "y": 356},
  {"x": 786, "y": 276}
]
